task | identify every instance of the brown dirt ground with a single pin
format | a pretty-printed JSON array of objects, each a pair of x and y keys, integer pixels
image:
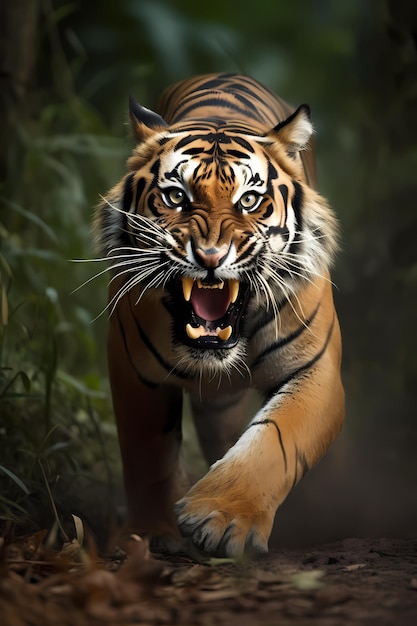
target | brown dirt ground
[{"x": 354, "y": 581}]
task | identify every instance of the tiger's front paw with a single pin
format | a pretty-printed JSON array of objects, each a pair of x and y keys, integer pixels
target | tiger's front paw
[{"x": 225, "y": 516}]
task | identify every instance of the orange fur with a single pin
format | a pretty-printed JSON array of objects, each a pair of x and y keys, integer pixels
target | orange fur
[{"x": 222, "y": 193}]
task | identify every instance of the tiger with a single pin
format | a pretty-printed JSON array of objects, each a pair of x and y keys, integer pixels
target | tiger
[{"x": 219, "y": 251}]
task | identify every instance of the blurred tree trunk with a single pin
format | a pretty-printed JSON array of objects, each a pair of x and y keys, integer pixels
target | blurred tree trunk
[{"x": 18, "y": 19}]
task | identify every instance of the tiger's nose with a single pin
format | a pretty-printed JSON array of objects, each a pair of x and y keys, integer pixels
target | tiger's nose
[{"x": 210, "y": 257}]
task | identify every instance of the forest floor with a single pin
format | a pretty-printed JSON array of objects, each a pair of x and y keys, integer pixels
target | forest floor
[{"x": 354, "y": 581}]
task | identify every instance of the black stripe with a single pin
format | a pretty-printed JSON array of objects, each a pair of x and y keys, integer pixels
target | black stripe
[
  {"x": 248, "y": 251},
  {"x": 187, "y": 140},
  {"x": 244, "y": 242},
  {"x": 193, "y": 151},
  {"x": 257, "y": 97},
  {"x": 250, "y": 86},
  {"x": 163, "y": 140},
  {"x": 214, "y": 83},
  {"x": 218, "y": 103},
  {"x": 266, "y": 318},
  {"x": 281, "y": 443},
  {"x": 273, "y": 231},
  {"x": 165, "y": 364},
  {"x": 277, "y": 345},
  {"x": 152, "y": 206},
  {"x": 297, "y": 204},
  {"x": 208, "y": 125},
  {"x": 140, "y": 187},
  {"x": 128, "y": 193},
  {"x": 300, "y": 458},
  {"x": 272, "y": 172},
  {"x": 142, "y": 379},
  {"x": 279, "y": 388},
  {"x": 155, "y": 170},
  {"x": 247, "y": 103},
  {"x": 238, "y": 154},
  {"x": 284, "y": 192},
  {"x": 267, "y": 213},
  {"x": 244, "y": 143}
]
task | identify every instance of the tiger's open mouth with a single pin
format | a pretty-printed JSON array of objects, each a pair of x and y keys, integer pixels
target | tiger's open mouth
[{"x": 208, "y": 314}]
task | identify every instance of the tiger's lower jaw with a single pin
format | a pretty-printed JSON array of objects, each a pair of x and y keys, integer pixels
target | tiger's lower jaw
[{"x": 216, "y": 364}]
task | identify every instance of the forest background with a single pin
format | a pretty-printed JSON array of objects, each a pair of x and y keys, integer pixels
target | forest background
[{"x": 66, "y": 71}]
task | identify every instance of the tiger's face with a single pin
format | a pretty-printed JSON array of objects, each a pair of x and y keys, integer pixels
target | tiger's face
[{"x": 219, "y": 222}]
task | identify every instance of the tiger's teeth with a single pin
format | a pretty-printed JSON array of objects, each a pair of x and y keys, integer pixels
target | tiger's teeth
[
  {"x": 187, "y": 287},
  {"x": 233, "y": 290},
  {"x": 224, "y": 333},
  {"x": 194, "y": 333}
]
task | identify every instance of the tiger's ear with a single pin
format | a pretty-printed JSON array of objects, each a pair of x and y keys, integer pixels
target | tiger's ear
[
  {"x": 295, "y": 131},
  {"x": 144, "y": 122}
]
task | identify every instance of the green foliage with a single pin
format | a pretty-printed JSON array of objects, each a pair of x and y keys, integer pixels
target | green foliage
[
  {"x": 49, "y": 417},
  {"x": 55, "y": 411}
]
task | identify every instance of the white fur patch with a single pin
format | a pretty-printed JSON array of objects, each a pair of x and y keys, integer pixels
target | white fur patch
[
  {"x": 184, "y": 167},
  {"x": 244, "y": 174},
  {"x": 301, "y": 130}
]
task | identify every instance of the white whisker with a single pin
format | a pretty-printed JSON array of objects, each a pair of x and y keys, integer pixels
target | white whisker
[
  {"x": 290, "y": 293},
  {"x": 270, "y": 300}
]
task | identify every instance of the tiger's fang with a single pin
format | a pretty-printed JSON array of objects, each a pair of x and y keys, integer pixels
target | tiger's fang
[
  {"x": 187, "y": 287},
  {"x": 194, "y": 333},
  {"x": 233, "y": 290},
  {"x": 224, "y": 333}
]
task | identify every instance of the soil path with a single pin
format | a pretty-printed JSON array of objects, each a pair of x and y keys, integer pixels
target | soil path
[{"x": 355, "y": 581}]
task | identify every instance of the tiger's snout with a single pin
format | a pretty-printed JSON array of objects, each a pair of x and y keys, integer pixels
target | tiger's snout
[{"x": 210, "y": 258}]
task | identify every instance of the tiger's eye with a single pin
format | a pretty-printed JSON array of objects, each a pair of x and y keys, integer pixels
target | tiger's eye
[
  {"x": 175, "y": 196},
  {"x": 249, "y": 201}
]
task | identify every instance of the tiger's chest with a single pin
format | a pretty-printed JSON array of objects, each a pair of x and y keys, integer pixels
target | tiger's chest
[{"x": 262, "y": 357}]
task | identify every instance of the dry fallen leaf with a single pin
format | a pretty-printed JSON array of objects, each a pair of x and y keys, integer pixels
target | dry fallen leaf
[
  {"x": 194, "y": 575},
  {"x": 269, "y": 578},
  {"x": 354, "y": 567},
  {"x": 308, "y": 580}
]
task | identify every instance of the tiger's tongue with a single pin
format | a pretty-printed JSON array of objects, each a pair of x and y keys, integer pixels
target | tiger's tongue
[{"x": 210, "y": 304}]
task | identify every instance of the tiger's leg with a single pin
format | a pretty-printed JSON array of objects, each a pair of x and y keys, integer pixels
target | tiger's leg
[
  {"x": 232, "y": 508},
  {"x": 149, "y": 429},
  {"x": 219, "y": 423}
]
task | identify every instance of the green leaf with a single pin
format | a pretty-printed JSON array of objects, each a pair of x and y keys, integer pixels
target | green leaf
[
  {"x": 25, "y": 380},
  {"x": 214, "y": 561},
  {"x": 79, "y": 385},
  {"x": 32, "y": 217},
  {"x": 44, "y": 441},
  {"x": 15, "y": 479}
]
